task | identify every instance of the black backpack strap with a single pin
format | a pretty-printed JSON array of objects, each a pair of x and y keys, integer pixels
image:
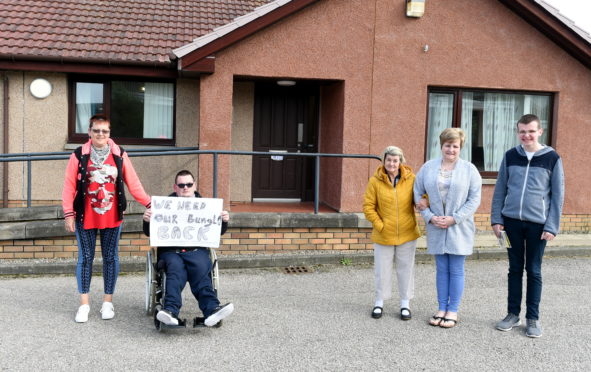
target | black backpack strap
[{"x": 78, "y": 152}]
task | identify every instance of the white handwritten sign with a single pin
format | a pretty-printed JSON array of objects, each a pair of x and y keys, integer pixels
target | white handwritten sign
[{"x": 185, "y": 222}]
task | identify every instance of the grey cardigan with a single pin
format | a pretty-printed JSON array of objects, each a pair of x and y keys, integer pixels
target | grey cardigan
[{"x": 463, "y": 198}]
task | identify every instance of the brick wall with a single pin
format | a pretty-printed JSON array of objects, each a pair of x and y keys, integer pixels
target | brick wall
[
  {"x": 245, "y": 240},
  {"x": 23, "y": 203},
  {"x": 235, "y": 241}
]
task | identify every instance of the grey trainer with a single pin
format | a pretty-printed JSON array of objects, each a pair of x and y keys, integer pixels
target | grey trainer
[
  {"x": 507, "y": 324},
  {"x": 534, "y": 328}
]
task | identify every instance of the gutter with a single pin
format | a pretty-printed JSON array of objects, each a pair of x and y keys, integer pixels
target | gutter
[
  {"x": 86, "y": 60},
  {"x": 104, "y": 66}
]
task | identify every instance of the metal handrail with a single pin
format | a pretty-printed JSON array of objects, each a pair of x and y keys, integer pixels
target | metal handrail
[
  {"x": 67, "y": 154},
  {"x": 30, "y": 157}
]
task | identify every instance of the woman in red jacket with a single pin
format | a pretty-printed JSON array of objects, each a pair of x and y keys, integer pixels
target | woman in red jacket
[{"x": 94, "y": 199}]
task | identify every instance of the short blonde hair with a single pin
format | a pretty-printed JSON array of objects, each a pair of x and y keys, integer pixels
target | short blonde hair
[
  {"x": 393, "y": 151},
  {"x": 452, "y": 134}
]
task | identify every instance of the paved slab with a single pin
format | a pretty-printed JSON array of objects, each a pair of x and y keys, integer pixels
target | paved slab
[{"x": 317, "y": 321}]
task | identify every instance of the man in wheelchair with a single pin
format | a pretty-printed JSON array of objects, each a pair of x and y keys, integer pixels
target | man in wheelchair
[{"x": 188, "y": 264}]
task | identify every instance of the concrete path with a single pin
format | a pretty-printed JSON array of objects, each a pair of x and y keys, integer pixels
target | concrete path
[{"x": 316, "y": 321}]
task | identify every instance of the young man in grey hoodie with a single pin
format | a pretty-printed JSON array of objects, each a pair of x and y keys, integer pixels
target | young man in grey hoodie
[{"x": 527, "y": 204}]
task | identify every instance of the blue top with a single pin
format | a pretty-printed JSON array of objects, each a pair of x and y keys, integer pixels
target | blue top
[{"x": 530, "y": 190}]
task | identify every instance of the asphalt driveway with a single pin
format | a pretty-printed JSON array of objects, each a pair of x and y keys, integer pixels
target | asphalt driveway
[{"x": 312, "y": 321}]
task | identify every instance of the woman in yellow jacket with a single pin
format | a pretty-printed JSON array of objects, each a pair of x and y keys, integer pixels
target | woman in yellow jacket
[{"x": 388, "y": 205}]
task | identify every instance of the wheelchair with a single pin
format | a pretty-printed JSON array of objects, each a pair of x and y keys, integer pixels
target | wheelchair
[{"x": 156, "y": 289}]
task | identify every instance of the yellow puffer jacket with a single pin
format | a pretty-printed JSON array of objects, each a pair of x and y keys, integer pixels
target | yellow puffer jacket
[{"x": 391, "y": 209}]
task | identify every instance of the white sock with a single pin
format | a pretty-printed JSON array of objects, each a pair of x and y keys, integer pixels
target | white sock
[
  {"x": 379, "y": 303},
  {"x": 405, "y": 303}
]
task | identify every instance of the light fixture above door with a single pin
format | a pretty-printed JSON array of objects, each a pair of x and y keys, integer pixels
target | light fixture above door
[
  {"x": 415, "y": 8},
  {"x": 286, "y": 83}
]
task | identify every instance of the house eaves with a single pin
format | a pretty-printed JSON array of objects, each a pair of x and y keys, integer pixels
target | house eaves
[
  {"x": 198, "y": 56},
  {"x": 555, "y": 26}
]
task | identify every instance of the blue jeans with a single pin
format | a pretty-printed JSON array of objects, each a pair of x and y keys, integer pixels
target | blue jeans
[
  {"x": 110, "y": 251},
  {"x": 450, "y": 281},
  {"x": 194, "y": 267},
  {"x": 527, "y": 250}
]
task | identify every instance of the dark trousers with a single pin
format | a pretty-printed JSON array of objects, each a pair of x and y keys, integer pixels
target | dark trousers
[
  {"x": 194, "y": 267},
  {"x": 527, "y": 250}
]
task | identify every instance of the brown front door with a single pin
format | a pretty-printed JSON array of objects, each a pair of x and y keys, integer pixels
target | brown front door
[{"x": 285, "y": 120}]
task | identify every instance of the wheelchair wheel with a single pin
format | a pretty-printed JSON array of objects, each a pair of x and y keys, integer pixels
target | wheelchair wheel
[
  {"x": 215, "y": 275},
  {"x": 151, "y": 283}
]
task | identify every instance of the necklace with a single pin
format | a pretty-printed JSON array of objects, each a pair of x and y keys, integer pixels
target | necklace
[
  {"x": 98, "y": 156},
  {"x": 444, "y": 173}
]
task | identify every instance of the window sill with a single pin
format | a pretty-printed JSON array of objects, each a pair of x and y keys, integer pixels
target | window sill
[{"x": 489, "y": 181}]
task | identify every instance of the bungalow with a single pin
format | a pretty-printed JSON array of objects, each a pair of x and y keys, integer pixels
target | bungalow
[{"x": 329, "y": 76}]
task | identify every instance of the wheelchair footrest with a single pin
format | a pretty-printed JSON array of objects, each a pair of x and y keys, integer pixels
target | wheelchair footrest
[
  {"x": 199, "y": 321},
  {"x": 182, "y": 324}
]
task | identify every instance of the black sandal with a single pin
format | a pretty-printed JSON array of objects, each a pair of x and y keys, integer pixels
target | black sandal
[
  {"x": 435, "y": 321},
  {"x": 444, "y": 320},
  {"x": 405, "y": 317},
  {"x": 377, "y": 314}
]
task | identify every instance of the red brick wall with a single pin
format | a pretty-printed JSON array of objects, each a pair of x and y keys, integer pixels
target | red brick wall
[{"x": 247, "y": 240}]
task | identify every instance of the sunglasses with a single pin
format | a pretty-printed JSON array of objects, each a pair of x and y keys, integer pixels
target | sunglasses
[
  {"x": 103, "y": 131},
  {"x": 183, "y": 185}
]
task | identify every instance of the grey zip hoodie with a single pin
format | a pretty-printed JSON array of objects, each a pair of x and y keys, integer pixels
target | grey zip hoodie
[{"x": 530, "y": 190}]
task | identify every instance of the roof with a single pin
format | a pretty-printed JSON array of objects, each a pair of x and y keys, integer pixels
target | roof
[
  {"x": 121, "y": 31},
  {"x": 564, "y": 19},
  {"x": 154, "y": 33},
  {"x": 229, "y": 27}
]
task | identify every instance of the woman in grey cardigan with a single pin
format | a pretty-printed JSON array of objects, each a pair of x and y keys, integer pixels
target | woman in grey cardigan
[{"x": 453, "y": 188}]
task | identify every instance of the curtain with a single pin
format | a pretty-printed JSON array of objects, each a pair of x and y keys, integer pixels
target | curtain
[
  {"x": 440, "y": 117},
  {"x": 499, "y": 118},
  {"x": 89, "y": 96},
  {"x": 158, "y": 110},
  {"x": 466, "y": 124},
  {"x": 539, "y": 106}
]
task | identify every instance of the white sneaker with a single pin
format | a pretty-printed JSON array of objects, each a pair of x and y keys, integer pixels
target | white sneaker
[
  {"x": 167, "y": 318},
  {"x": 82, "y": 314},
  {"x": 220, "y": 313},
  {"x": 107, "y": 311}
]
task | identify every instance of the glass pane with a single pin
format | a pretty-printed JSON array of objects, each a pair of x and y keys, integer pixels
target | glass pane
[
  {"x": 539, "y": 106},
  {"x": 471, "y": 124},
  {"x": 127, "y": 109},
  {"x": 89, "y": 101},
  {"x": 141, "y": 109},
  {"x": 491, "y": 120},
  {"x": 440, "y": 117},
  {"x": 158, "y": 110}
]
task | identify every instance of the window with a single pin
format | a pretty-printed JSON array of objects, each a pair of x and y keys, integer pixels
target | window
[
  {"x": 141, "y": 112},
  {"x": 488, "y": 119}
]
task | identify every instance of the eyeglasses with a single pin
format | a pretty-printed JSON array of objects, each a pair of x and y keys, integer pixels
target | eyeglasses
[
  {"x": 183, "y": 185},
  {"x": 103, "y": 131}
]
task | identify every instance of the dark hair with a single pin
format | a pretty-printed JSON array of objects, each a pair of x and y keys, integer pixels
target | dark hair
[
  {"x": 97, "y": 119},
  {"x": 184, "y": 172},
  {"x": 529, "y": 118}
]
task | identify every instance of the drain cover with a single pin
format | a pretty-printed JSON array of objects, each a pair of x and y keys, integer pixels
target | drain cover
[{"x": 296, "y": 270}]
